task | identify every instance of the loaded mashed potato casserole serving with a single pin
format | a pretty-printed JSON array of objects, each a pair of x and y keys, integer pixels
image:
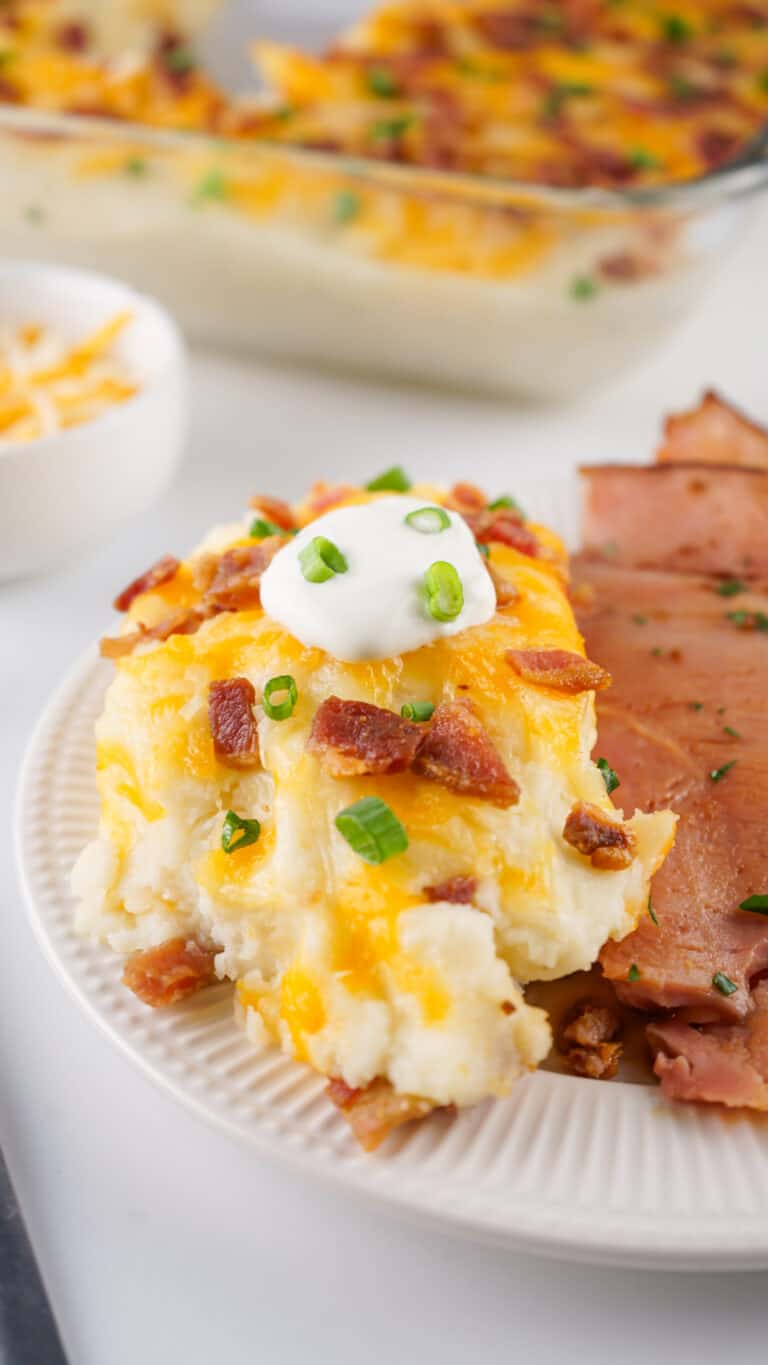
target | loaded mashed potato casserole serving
[{"x": 345, "y": 763}]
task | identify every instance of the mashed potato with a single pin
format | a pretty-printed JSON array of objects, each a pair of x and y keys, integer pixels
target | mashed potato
[{"x": 361, "y": 969}]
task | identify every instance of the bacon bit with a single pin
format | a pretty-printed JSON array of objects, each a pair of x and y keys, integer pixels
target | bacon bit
[
  {"x": 507, "y": 31},
  {"x": 181, "y": 623},
  {"x": 588, "y": 1024},
  {"x": 9, "y": 93},
  {"x": 161, "y": 572},
  {"x": 457, "y": 752},
  {"x": 558, "y": 669},
  {"x": 507, "y": 1007},
  {"x": 236, "y": 583},
  {"x": 374, "y": 1112},
  {"x": 171, "y": 972},
  {"x": 233, "y": 726},
  {"x": 274, "y": 510},
  {"x": 72, "y": 37},
  {"x": 203, "y": 570},
  {"x": 458, "y": 890},
  {"x": 356, "y": 739},
  {"x": 323, "y": 496},
  {"x": 608, "y": 846},
  {"x": 466, "y": 497},
  {"x": 626, "y": 266},
  {"x": 506, "y": 527},
  {"x": 506, "y": 592},
  {"x": 599, "y": 1063},
  {"x": 717, "y": 145}
]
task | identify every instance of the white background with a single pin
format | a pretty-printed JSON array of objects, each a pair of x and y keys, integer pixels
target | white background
[{"x": 163, "y": 1241}]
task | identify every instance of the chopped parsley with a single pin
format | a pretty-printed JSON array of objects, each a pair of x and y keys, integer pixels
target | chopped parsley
[
  {"x": 723, "y": 984},
  {"x": 583, "y": 287},
  {"x": 675, "y": 29},
  {"x": 651, "y": 911},
  {"x": 657, "y": 651},
  {"x": 610, "y": 778},
  {"x": 634, "y": 973},
  {"x": 730, "y": 587},
  {"x": 136, "y": 167},
  {"x": 346, "y": 206},
  {"x": 729, "y": 730},
  {"x": 696, "y": 705},
  {"x": 212, "y": 185},
  {"x": 717, "y": 774},
  {"x": 640, "y": 620},
  {"x": 757, "y": 904},
  {"x": 381, "y": 82},
  {"x": 748, "y": 620}
]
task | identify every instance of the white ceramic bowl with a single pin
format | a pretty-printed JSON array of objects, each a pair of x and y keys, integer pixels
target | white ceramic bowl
[{"x": 64, "y": 492}]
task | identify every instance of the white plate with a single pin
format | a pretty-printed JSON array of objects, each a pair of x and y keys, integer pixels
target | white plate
[{"x": 565, "y": 1167}]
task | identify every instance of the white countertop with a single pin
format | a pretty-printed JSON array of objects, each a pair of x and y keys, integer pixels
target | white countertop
[{"x": 160, "y": 1240}]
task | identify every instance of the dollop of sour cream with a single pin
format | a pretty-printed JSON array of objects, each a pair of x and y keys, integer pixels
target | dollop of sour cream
[{"x": 379, "y": 606}]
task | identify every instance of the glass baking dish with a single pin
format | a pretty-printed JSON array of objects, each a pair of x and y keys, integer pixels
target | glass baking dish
[{"x": 373, "y": 267}]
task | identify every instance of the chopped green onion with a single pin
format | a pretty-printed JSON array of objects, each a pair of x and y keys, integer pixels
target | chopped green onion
[
  {"x": 33, "y": 213},
  {"x": 762, "y": 81},
  {"x": 640, "y": 620},
  {"x": 321, "y": 559},
  {"x": 643, "y": 160},
  {"x": 428, "y": 520},
  {"x": 717, "y": 774},
  {"x": 392, "y": 128},
  {"x": 372, "y": 830},
  {"x": 444, "y": 591},
  {"x": 280, "y": 710},
  {"x": 583, "y": 287},
  {"x": 634, "y": 973},
  {"x": 394, "y": 480},
  {"x": 682, "y": 89},
  {"x": 729, "y": 730},
  {"x": 554, "y": 100},
  {"x": 757, "y": 904},
  {"x": 505, "y": 501},
  {"x": 748, "y": 620},
  {"x": 417, "y": 710},
  {"x": 261, "y": 528},
  {"x": 675, "y": 29},
  {"x": 180, "y": 60},
  {"x": 136, "y": 166},
  {"x": 212, "y": 185},
  {"x": 381, "y": 82},
  {"x": 723, "y": 984},
  {"x": 346, "y": 206},
  {"x": 610, "y": 778},
  {"x": 484, "y": 549},
  {"x": 249, "y": 831},
  {"x": 730, "y": 587},
  {"x": 651, "y": 910}
]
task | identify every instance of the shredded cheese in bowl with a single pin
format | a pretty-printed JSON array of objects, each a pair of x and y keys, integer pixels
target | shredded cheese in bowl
[{"x": 47, "y": 386}]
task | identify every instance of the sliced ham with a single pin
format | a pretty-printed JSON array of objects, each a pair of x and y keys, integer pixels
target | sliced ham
[
  {"x": 233, "y": 724},
  {"x": 162, "y": 572},
  {"x": 721, "y": 1064},
  {"x": 682, "y": 671},
  {"x": 355, "y": 739},
  {"x": 678, "y": 517},
  {"x": 375, "y": 1111},
  {"x": 458, "y": 752},
  {"x": 170, "y": 972},
  {"x": 714, "y": 433}
]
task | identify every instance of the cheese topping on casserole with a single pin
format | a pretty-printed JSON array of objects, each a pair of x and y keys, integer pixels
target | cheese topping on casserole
[{"x": 379, "y": 852}]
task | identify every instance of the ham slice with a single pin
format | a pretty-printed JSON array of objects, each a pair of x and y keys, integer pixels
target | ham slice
[
  {"x": 678, "y": 517},
  {"x": 722, "y": 1064},
  {"x": 683, "y": 672},
  {"x": 714, "y": 433}
]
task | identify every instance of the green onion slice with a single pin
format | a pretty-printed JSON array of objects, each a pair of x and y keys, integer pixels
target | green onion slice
[
  {"x": 505, "y": 501},
  {"x": 730, "y": 587},
  {"x": 394, "y": 480},
  {"x": 610, "y": 778},
  {"x": 757, "y": 904},
  {"x": 261, "y": 528},
  {"x": 428, "y": 520},
  {"x": 717, "y": 774},
  {"x": 723, "y": 984},
  {"x": 234, "y": 825},
  {"x": 280, "y": 710},
  {"x": 417, "y": 710},
  {"x": 321, "y": 559},
  {"x": 444, "y": 591},
  {"x": 485, "y": 550},
  {"x": 372, "y": 830}
]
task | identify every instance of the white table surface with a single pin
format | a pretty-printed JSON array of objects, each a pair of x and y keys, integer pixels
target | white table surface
[{"x": 160, "y": 1240}]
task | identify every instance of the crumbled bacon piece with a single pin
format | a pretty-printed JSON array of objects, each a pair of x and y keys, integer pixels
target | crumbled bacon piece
[
  {"x": 72, "y": 36},
  {"x": 375, "y": 1111},
  {"x": 466, "y": 497},
  {"x": 459, "y": 890},
  {"x": 506, "y": 526},
  {"x": 506, "y": 592},
  {"x": 170, "y": 972},
  {"x": 161, "y": 572},
  {"x": 274, "y": 510},
  {"x": 458, "y": 752},
  {"x": 559, "y": 669},
  {"x": 718, "y": 145},
  {"x": 236, "y": 585},
  {"x": 599, "y": 1063},
  {"x": 625, "y": 266},
  {"x": 232, "y": 722},
  {"x": 609, "y": 846},
  {"x": 588, "y": 1043},
  {"x": 355, "y": 739},
  {"x": 324, "y": 496},
  {"x": 180, "y": 623}
]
